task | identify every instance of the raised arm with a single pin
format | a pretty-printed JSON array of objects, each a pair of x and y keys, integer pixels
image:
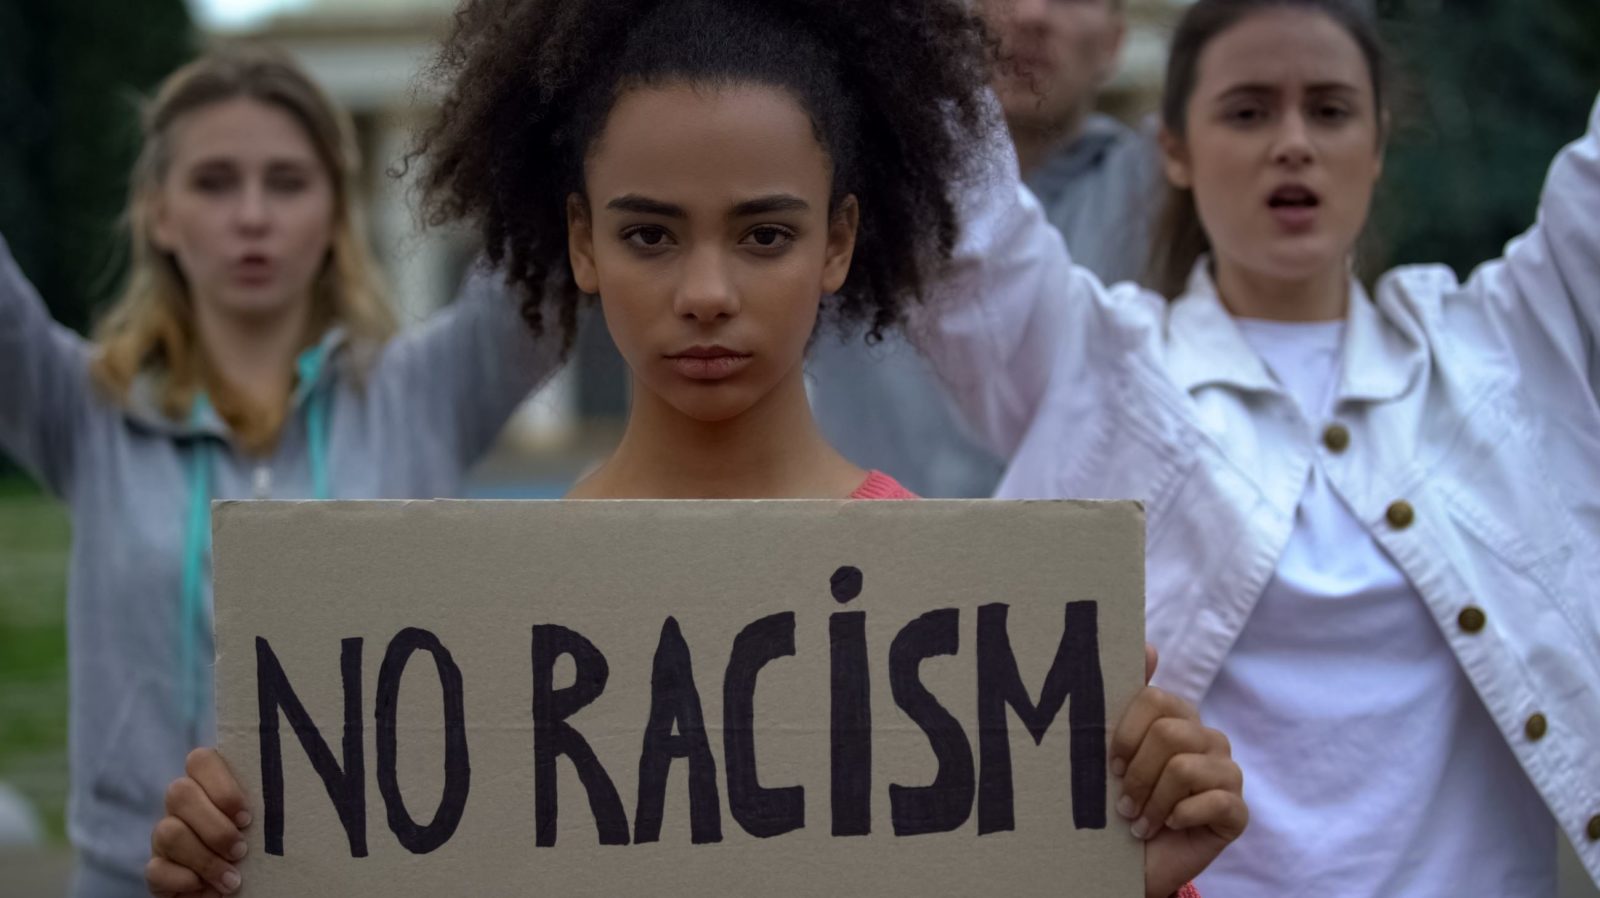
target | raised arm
[
  {"x": 45, "y": 392},
  {"x": 470, "y": 365},
  {"x": 1545, "y": 292},
  {"x": 1012, "y": 311}
]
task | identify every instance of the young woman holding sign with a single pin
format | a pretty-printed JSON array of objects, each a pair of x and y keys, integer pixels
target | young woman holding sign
[
  {"x": 250, "y": 355},
  {"x": 1374, "y": 531},
  {"x": 722, "y": 174}
]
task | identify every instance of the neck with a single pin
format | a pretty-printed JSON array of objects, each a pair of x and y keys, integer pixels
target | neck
[
  {"x": 1036, "y": 143},
  {"x": 1324, "y": 296},
  {"x": 772, "y": 451},
  {"x": 253, "y": 355}
]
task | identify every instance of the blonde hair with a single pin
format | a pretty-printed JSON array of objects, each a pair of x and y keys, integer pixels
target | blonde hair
[{"x": 152, "y": 324}]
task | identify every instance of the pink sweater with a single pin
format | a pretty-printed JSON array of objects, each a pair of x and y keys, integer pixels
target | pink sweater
[{"x": 879, "y": 485}]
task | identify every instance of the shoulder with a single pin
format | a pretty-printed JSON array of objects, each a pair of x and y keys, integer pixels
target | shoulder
[
  {"x": 1417, "y": 297},
  {"x": 1414, "y": 283}
]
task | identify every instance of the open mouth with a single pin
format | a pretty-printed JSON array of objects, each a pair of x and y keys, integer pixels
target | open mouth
[
  {"x": 1294, "y": 197},
  {"x": 1294, "y": 208}
]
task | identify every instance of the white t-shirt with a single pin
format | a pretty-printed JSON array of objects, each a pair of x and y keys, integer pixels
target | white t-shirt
[{"x": 1371, "y": 767}]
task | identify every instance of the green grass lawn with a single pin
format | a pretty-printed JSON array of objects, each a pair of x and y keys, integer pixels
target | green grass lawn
[{"x": 34, "y": 536}]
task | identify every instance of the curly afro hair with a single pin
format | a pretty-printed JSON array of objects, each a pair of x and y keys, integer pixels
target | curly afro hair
[{"x": 893, "y": 89}]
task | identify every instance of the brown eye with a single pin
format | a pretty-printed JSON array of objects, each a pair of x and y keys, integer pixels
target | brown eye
[
  {"x": 770, "y": 237},
  {"x": 646, "y": 237},
  {"x": 1246, "y": 115},
  {"x": 212, "y": 182},
  {"x": 287, "y": 183}
]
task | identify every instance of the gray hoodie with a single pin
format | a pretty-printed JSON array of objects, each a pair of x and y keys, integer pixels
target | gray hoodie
[{"x": 403, "y": 420}]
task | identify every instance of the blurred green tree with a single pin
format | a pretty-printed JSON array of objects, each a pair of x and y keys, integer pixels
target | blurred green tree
[
  {"x": 71, "y": 75},
  {"x": 1489, "y": 91}
]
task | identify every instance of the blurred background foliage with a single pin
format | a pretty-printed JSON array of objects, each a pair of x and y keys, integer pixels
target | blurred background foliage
[{"x": 1488, "y": 91}]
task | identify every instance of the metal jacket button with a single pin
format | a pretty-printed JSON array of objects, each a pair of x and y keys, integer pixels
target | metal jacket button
[
  {"x": 1536, "y": 728},
  {"x": 1400, "y": 514},
  {"x": 1336, "y": 437}
]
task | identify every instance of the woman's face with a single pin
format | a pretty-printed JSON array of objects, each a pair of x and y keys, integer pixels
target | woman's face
[
  {"x": 246, "y": 208},
  {"x": 1283, "y": 146},
  {"x": 706, "y": 232}
]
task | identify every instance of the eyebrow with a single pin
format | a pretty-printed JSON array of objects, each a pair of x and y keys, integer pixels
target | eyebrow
[
  {"x": 642, "y": 205},
  {"x": 210, "y": 162},
  {"x": 1255, "y": 90},
  {"x": 765, "y": 205}
]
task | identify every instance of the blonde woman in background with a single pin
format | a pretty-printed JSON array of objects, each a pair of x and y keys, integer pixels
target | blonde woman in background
[{"x": 251, "y": 355}]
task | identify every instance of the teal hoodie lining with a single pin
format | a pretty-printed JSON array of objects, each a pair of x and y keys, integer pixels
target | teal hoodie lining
[{"x": 197, "y": 533}]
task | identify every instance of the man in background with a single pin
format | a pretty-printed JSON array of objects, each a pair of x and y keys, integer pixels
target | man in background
[{"x": 1096, "y": 178}]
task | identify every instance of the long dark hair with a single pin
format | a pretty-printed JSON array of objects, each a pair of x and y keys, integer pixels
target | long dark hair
[{"x": 1179, "y": 238}]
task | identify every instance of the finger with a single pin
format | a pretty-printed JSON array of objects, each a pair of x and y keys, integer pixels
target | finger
[
  {"x": 1151, "y": 659},
  {"x": 168, "y": 880},
  {"x": 206, "y": 767},
  {"x": 1222, "y": 811},
  {"x": 1165, "y": 738},
  {"x": 1150, "y": 705},
  {"x": 190, "y": 804},
  {"x": 1185, "y": 775},
  {"x": 177, "y": 843}
]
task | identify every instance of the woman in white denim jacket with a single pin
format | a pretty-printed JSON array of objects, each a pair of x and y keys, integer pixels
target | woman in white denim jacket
[{"x": 1374, "y": 522}]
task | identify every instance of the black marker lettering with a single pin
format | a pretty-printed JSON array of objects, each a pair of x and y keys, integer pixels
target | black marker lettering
[
  {"x": 554, "y": 737},
  {"x": 1075, "y": 672},
  {"x": 347, "y": 786},
  {"x": 674, "y": 701},
  {"x": 763, "y": 813},
  {"x": 416, "y": 838},
  {"x": 947, "y": 802},
  {"x": 851, "y": 725}
]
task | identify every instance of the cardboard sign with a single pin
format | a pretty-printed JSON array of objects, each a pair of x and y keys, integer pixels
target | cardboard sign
[{"x": 679, "y": 698}]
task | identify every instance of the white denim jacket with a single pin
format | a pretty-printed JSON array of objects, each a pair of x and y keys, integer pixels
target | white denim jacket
[{"x": 1470, "y": 445}]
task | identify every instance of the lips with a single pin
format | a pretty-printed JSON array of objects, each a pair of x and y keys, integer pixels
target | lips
[
  {"x": 1294, "y": 207},
  {"x": 253, "y": 268},
  {"x": 708, "y": 363}
]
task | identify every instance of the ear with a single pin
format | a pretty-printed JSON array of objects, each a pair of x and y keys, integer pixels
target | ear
[
  {"x": 842, "y": 229},
  {"x": 1175, "y": 160},
  {"x": 580, "y": 245}
]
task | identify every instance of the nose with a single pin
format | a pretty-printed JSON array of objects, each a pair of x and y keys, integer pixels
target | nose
[
  {"x": 1292, "y": 146},
  {"x": 251, "y": 213},
  {"x": 706, "y": 293}
]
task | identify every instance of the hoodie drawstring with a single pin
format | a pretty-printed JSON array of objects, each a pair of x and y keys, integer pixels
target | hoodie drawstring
[
  {"x": 309, "y": 365},
  {"x": 196, "y": 546}
]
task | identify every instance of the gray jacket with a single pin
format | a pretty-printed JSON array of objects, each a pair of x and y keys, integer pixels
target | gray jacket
[{"x": 404, "y": 420}]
